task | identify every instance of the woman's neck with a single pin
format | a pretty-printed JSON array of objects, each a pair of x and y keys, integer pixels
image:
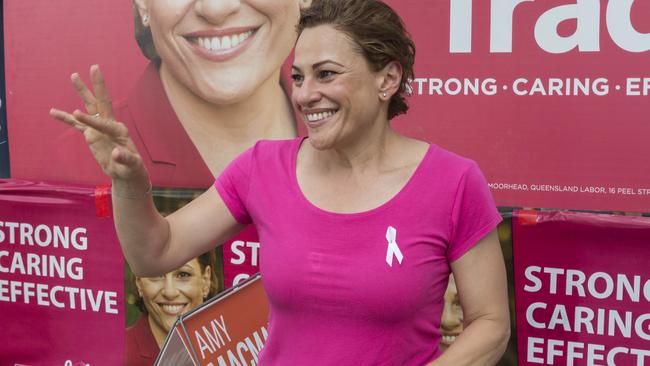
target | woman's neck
[
  {"x": 370, "y": 150},
  {"x": 221, "y": 132},
  {"x": 159, "y": 334}
]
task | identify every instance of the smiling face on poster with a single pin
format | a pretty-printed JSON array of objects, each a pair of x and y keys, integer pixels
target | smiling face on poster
[
  {"x": 212, "y": 87},
  {"x": 167, "y": 297},
  {"x": 220, "y": 52}
]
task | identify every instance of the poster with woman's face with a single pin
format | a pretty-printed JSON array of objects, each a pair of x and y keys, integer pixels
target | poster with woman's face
[{"x": 196, "y": 83}]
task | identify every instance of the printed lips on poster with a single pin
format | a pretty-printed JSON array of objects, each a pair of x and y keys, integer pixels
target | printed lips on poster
[
  {"x": 582, "y": 289},
  {"x": 61, "y": 269}
]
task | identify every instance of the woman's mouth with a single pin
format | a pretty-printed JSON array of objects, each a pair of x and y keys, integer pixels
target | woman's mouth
[
  {"x": 172, "y": 309},
  {"x": 448, "y": 339},
  {"x": 223, "y": 45},
  {"x": 317, "y": 117}
]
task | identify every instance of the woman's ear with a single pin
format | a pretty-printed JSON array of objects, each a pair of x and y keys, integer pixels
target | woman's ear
[
  {"x": 143, "y": 10},
  {"x": 138, "y": 286},
  {"x": 206, "y": 276},
  {"x": 304, "y": 4},
  {"x": 390, "y": 79}
]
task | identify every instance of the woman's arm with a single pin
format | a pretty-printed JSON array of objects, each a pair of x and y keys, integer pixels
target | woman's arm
[
  {"x": 153, "y": 245},
  {"x": 482, "y": 286}
]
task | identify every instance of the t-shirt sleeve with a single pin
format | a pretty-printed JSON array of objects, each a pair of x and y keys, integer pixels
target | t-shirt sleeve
[
  {"x": 233, "y": 186},
  {"x": 474, "y": 213}
]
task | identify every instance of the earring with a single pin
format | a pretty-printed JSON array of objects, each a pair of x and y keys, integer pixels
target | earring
[
  {"x": 385, "y": 94},
  {"x": 145, "y": 20}
]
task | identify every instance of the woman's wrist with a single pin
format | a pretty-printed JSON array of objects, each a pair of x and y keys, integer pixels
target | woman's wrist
[{"x": 132, "y": 189}]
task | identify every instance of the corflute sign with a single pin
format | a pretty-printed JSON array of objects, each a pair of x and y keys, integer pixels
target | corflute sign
[
  {"x": 549, "y": 97},
  {"x": 585, "y": 13}
]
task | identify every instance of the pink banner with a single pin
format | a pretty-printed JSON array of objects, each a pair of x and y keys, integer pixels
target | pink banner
[
  {"x": 241, "y": 257},
  {"x": 61, "y": 277},
  {"x": 550, "y": 97},
  {"x": 582, "y": 289}
]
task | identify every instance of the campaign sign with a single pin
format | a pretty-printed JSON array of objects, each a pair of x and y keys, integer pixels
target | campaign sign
[
  {"x": 61, "y": 276},
  {"x": 229, "y": 330},
  {"x": 241, "y": 257},
  {"x": 582, "y": 289},
  {"x": 549, "y": 97}
]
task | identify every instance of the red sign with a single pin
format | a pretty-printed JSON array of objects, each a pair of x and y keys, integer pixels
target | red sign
[
  {"x": 228, "y": 330},
  {"x": 582, "y": 289},
  {"x": 61, "y": 277}
]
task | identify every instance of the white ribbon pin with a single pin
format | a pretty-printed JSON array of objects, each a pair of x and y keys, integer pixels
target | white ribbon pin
[{"x": 393, "y": 249}]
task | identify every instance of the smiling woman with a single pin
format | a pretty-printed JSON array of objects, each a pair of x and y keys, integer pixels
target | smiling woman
[{"x": 163, "y": 299}]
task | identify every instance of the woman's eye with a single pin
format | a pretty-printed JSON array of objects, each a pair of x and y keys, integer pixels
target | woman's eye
[
  {"x": 296, "y": 78},
  {"x": 324, "y": 74},
  {"x": 183, "y": 274}
]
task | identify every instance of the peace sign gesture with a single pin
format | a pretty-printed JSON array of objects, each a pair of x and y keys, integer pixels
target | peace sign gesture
[{"x": 108, "y": 139}]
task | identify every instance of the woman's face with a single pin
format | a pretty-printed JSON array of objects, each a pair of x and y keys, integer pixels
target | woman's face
[
  {"x": 451, "y": 324},
  {"x": 222, "y": 50},
  {"x": 174, "y": 294},
  {"x": 334, "y": 88}
]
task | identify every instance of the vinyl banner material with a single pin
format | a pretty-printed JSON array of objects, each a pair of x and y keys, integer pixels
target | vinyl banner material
[
  {"x": 582, "y": 289},
  {"x": 550, "y": 97},
  {"x": 61, "y": 277}
]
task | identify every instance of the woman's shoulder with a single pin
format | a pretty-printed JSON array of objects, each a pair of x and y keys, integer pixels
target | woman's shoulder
[{"x": 450, "y": 160}]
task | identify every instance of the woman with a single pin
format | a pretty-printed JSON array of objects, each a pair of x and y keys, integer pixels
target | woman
[
  {"x": 212, "y": 88},
  {"x": 359, "y": 226},
  {"x": 163, "y": 299}
]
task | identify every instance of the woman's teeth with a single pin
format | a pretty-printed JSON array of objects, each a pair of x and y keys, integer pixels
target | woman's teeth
[
  {"x": 448, "y": 339},
  {"x": 315, "y": 117},
  {"x": 222, "y": 43},
  {"x": 172, "y": 309}
]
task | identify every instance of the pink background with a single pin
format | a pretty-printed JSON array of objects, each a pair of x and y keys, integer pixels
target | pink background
[
  {"x": 231, "y": 258},
  {"x": 580, "y": 141},
  {"x": 589, "y": 243},
  {"x": 46, "y": 335}
]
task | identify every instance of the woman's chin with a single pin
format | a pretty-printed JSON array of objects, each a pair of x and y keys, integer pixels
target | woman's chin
[{"x": 320, "y": 143}]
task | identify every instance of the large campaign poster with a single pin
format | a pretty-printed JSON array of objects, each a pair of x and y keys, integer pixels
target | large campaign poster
[
  {"x": 582, "y": 288},
  {"x": 61, "y": 286},
  {"x": 549, "y": 97}
]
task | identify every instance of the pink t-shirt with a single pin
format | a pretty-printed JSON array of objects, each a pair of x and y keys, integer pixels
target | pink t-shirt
[{"x": 334, "y": 298}]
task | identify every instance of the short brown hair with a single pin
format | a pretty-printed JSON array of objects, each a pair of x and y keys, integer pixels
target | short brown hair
[{"x": 378, "y": 32}]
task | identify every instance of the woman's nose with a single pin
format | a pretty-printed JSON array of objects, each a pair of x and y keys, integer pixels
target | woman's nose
[
  {"x": 306, "y": 94},
  {"x": 216, "y": 11},
  {"x": 450, "y": 319},
  {"x": 169, "y": 289}
]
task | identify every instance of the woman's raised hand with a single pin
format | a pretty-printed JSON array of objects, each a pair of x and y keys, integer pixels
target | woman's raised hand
[{"x": 108, "y": 139}]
